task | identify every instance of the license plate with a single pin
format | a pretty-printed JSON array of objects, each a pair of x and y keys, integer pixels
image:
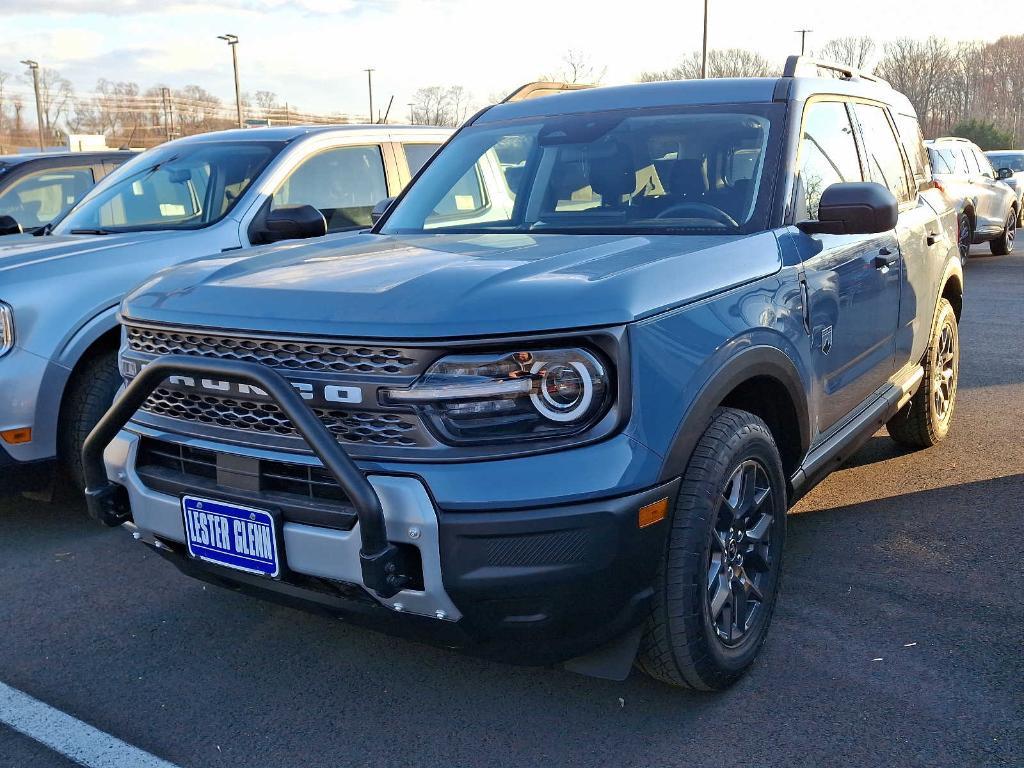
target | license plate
[{"x": 231, "y": 535}]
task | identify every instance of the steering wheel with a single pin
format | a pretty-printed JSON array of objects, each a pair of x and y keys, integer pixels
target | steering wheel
[{"x": 702, "y": 210}]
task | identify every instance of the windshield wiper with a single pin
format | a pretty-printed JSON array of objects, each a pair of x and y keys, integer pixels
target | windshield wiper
[{"x": 92, "y": 232}]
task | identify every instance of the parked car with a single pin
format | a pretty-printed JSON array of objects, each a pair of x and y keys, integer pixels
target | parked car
[
  {"x": 210, "y": 194},
  {"x": 561, "y": 419},
  {"x": 987, "y": 209},
  {"x": 37, "y": 188},
  {"x": 1009, "y": 165}
]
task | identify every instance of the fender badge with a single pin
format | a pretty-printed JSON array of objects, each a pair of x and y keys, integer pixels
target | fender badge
[{"x": 826, "y": 339}]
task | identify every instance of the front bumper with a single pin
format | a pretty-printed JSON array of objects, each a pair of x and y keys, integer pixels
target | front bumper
[
  {"x": 536, "y": 585},
  {"x": 30, "y": 391}
]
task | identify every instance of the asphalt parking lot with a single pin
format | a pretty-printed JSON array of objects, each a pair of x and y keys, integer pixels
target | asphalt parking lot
[{"x": 897, "y": 641}]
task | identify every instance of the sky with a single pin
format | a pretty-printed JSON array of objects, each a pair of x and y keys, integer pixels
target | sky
[{"x": 312, "y": 52}]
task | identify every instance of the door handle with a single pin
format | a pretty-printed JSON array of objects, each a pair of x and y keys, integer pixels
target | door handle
[{"x": 882, "y": 260}]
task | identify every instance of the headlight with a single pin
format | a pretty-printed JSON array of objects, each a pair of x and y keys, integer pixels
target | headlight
[
  {"x": 6, "y": 329},
  {"x": 523, "y": 395}
]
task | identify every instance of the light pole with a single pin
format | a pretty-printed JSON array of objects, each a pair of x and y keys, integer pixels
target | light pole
[
  {"x": 704, "y": 47},
  {"x": 803, "y": 39},
  {"x": 232, "y": 40},
  {"x": 369, "y": 84},
  {"x": 412, "y": 115},
  {"x": 34, "y": 66}
]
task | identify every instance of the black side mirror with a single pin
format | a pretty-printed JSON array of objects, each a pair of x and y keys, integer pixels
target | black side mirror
[
  {"x": 1004, "y": 173},
  {"x": 9, "y": 226},
  {"x": 380, "y": 208},
  {"x": 292, "y": 222},
  {"x": 854, "y": 208}
]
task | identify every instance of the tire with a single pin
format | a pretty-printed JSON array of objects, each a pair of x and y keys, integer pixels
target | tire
[
  {"x": 925, "y": 420},
  {"x": 965, "y": 235},
  {"x": 1003, "y": 245},
  {"x": 89, "y": 395},
  {"x": 684, "y": 642}
]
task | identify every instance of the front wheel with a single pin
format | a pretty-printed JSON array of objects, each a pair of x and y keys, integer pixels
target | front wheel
[
  {"x": 719, "y": 578},
  {"x": 1003, "y": 244},
  {"x": 89, "y": 396}
]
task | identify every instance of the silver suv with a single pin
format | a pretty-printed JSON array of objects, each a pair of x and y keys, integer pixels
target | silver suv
[
  {"x": 188, "y": 198},
  {"x": 987, "y": 209}
]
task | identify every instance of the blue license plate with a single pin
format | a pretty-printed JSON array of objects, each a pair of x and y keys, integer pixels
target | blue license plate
[{"x": 231, "y": 535}]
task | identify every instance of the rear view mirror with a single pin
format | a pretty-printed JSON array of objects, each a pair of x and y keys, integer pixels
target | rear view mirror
[
  {"x": 1004, "y": 173},
  {"x": 380, "y": 208},
  {"x": 9, "y": 226},
  {"x": 292, "y": 222},
  {"x": 854, "y": 208}
]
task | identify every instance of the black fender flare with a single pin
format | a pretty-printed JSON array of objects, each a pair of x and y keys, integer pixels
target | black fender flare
[{"x": 748, "y": 363}]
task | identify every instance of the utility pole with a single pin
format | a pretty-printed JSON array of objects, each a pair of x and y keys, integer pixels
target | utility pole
[
  {"x": 34, "y": 66},
  {"x": 704, "y": 47},
  {"x": 412, "y": 115},
  {"x": 165, "y": 95},
  {"x": 803, "y": 39},
  {"x": 369, "y": 84},
  {"x": 232, "y": 41}
]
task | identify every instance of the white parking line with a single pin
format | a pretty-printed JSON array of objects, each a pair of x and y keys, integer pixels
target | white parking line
[{"x": 71, "y": 738}]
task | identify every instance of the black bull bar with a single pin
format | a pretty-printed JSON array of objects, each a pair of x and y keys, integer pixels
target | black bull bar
[{"x": 382, "y": 563}]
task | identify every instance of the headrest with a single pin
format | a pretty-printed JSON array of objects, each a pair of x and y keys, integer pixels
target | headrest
[
  {"x": 688, "y": 178},
  {"x": 612, "y": 175}
]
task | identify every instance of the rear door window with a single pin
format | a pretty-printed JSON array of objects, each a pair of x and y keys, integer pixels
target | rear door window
[
  {"x": 343, "y": 183},
  {"x": 885, "y": 161},
  {"x": 416, "y": 155},
  {"x": 38, "y": 198}
]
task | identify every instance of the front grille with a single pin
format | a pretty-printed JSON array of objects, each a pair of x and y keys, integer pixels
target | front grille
[
  {"x": 195, "y": 468},
  {"x": 352, "y": 427},
  {"x": 294, "y": 354}
]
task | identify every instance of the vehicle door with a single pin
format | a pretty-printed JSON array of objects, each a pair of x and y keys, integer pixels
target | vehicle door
[
  {"x": 985, "y": 193},
  {"x": 926, "y": 229},
  {"x": 1000, "y": 194},
  {"x": 343, "y": 182},
  {"x": 853, "y": 281}
]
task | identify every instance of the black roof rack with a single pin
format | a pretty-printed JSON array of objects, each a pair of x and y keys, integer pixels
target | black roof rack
[{"x": 805, "y": 66}]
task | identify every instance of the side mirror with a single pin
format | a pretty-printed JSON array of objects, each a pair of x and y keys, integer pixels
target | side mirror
[
  {"x": 292, "y": 222},
  {"x": 854, "y": 208},
  {"x": 9, "y": 226},
  {"x": 1004, "y": 173},
  {"x": 380, "y": 208}
]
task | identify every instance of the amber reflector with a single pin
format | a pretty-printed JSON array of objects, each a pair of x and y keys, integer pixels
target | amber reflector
[
  {"x": 17, "y": 436},
  {"x": 652, "y": 513}
]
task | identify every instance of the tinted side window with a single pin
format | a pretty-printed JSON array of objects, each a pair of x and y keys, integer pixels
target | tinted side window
[
  {"x": 972, "y": 160},
  {"x": 828, "y": 155},
  {"x": 342, "y": 183},
  {"x": 885, "y": 162},
  {"x": 984, "y": 164},
  {"x": 913, "y": 143},
  {"x": 416, "y": 155},
  {"x": 38, "y": 198}
]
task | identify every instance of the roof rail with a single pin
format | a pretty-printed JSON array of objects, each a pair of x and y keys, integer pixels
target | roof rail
[
  {"x": 951, "y": 138},
  {"x": 805, "y": 66},
  {"x": 542, "y": 88}
]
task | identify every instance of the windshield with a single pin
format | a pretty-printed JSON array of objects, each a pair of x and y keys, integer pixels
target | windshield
[
  {"x": 701, "y": 169},
  {"x": 1012, "y": 160},
  {"x": 172, "y": 187}
]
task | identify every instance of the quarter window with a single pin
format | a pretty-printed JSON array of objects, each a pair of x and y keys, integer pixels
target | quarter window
[
  {"x": 828, "y": 155},
  {"x": 913, "y": 143},
  {"x": 344, "y": 184},
  {"x": 885, "y": 161}
]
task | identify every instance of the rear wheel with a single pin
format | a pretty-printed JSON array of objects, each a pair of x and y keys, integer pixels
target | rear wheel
[
  {"x": 718, "y": 581},
  {"x": 1003, "y": 244},
  {"x": 925, "y": 420},
  {"x": 89, "y": 396}
]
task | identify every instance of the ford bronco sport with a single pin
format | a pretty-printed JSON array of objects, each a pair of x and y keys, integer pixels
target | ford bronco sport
[{"x": 555, "y": 405}]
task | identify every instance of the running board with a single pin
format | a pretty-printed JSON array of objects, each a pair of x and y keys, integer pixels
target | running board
[{"x": 838, "y": 448}]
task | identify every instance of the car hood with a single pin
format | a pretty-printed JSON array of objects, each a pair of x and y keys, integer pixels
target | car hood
[
  {"x": 27, "y": 257},
  {"x": 443, "y": 286}
]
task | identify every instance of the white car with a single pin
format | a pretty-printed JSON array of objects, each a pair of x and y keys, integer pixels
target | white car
[{"x": 193, "y": 197}]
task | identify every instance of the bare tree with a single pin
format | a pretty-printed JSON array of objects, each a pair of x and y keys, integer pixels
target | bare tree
[
  {"x": 576, "y": 67},
  {"x": 852, "y": 51},
  {"x": 440, "y": 105},
  {"x": 726, "y": 62},
  {"x": 266, "y": 102}
]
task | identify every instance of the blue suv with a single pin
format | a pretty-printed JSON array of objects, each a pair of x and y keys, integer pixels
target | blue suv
[{"x": 555, "y": 404}]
